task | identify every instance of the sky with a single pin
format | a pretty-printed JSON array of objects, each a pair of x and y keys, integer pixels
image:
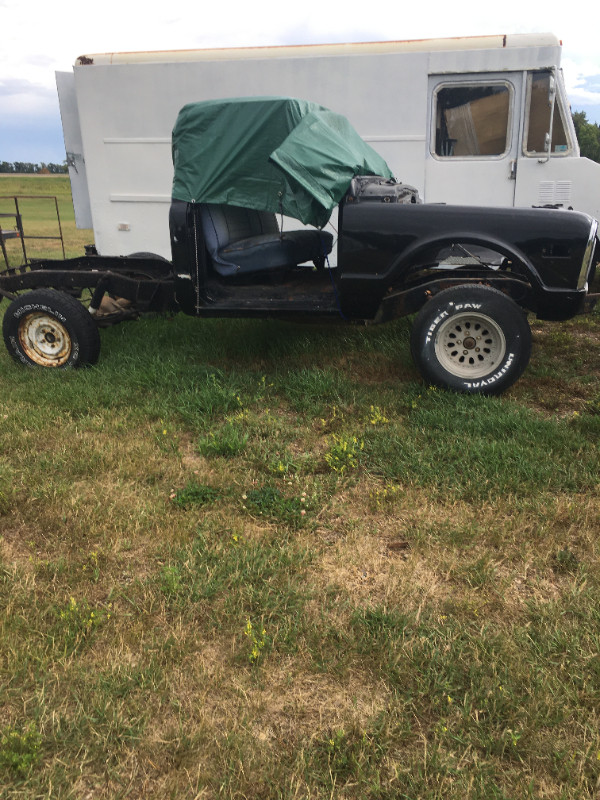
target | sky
[{"x": 40, "y": 37}]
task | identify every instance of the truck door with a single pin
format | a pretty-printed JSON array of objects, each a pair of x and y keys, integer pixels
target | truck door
[
  {"x": 69, "y": 112},
  {"x": 549, "y": 171},
  {"x": 474, "y": 128}
]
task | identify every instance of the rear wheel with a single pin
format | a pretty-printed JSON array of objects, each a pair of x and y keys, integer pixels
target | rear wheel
[
  {"x": 149, "y": 255},
  {"x": 472, "y": 339},
  {"x": 48, "y": 328}
]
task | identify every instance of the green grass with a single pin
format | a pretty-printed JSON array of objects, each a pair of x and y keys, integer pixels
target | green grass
[
  {"x": 251, "y": 559},
  {"x": 39, "y": 217}
]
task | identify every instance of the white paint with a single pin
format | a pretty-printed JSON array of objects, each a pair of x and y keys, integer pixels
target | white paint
[{"x": 128, "y": 103}]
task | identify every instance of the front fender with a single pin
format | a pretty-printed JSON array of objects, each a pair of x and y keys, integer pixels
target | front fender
[{"x": 380, "y": 245}]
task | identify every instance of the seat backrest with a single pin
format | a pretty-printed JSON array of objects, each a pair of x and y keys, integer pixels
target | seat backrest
[{"x": 222, "y": 225}]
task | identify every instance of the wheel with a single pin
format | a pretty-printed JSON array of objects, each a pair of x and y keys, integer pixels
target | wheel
[
  {"x": 472, "y": 339},
  {"x": 48, "y": 328},
  {"x": 154, "y": 256}
]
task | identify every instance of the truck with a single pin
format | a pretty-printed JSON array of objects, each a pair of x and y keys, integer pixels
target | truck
[
  {"x": 470, "y": 274},
  {"x": 480, "y": 121}
]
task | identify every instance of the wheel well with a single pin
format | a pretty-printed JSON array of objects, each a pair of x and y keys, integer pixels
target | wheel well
[
  {"x": 441, "y": 264},
  {"x": 462, "y": 250}
]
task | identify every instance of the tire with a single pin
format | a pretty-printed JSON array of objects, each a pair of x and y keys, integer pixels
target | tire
[
  {"x": 471, "y": 339},
  {"x": 149, "y": 255},
  {"x": 48, "y": 328}
]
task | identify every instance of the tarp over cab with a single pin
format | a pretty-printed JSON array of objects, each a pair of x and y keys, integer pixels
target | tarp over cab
[{"x": 274, "y": 154}]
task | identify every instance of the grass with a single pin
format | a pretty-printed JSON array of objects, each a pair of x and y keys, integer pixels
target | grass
[
  {"x": 251, "y": 559},
  {"x": 39, "y": 217}
]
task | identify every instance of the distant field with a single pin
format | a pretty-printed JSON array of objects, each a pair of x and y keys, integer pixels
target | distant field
[
  {"x": 251, "y": 560},
  {"x": 39, "y": 216}
]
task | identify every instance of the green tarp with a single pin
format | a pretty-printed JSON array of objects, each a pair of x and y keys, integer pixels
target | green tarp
[{"x": 269, "y": 153}]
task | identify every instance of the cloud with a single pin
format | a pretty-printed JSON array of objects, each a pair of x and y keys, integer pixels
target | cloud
[
  {"x": 592, "y": 84},
  {"x": 43, "y": 61},
  {"x": 582, "y": 81},
  {"x": 21, "y": 97},
  {"x": 41, "y": 37},
  {"x": 16, "y": 86}
]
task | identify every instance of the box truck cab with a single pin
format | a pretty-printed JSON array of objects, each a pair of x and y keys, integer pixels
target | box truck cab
[{"x": 479, "y": 121}]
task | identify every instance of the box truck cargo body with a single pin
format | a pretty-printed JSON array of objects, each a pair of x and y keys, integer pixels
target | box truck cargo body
[{"x": 475, "y": 121}]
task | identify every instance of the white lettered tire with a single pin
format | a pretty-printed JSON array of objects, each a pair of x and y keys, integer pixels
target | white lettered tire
[
  {"x": 48, "y": 328},
  {"x": 471, "y": 339}
]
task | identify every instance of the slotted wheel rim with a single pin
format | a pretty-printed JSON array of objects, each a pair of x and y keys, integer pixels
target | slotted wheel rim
[
  {"x": 470, "y": 345},
  {"x": 44, "y": 340}
]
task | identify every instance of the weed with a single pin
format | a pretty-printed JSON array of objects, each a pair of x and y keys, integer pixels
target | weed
[
  {"x": 376, "y": 416},
  {"x": 344, "y": 453},
  {"x": 385, "y": 497},
  {"x": 333, "y": 421},
  {"x": 283, "y": 464},
  {"x": 194, "y": 494},
  {"x": 91, "y": 566},
  {"x": 257, "y": 637},
  {"x": 19, "y": 749},
  {"x": 77, "y": 621}
]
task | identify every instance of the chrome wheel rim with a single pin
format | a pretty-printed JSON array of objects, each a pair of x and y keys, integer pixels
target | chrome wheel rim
[{"x": 470, "y": 345}]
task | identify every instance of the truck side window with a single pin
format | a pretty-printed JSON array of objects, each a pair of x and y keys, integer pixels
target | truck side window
[
  {"x": 472, "y": 120},
  {"x": 538, "y": 120}
]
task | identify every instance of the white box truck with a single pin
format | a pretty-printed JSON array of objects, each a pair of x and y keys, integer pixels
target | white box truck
[{"x": 478, "y": 121}]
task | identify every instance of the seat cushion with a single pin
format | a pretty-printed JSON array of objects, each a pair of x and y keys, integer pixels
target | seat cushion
[
  {"x": 274, "y": 251},
  {"x": 242, "y": 241}
]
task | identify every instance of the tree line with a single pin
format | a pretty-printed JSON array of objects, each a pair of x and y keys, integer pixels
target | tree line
[
  {"x": 588, "y": 136},
  {"x": 28, "y": 168}
]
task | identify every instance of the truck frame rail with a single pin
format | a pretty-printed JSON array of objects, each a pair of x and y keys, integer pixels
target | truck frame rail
[{"x": 144, "y": 280}]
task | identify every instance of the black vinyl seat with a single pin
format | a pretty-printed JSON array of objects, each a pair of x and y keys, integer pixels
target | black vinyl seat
[{"x": 242, "y": 241}]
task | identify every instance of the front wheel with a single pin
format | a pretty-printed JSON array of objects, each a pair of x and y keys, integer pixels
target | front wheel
[
  {"x": 472, "y": 339},
  {"x": 48, "y": 328}
]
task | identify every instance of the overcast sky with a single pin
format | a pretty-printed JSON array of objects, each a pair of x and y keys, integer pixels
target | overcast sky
[{"x": 39, "y": 37}]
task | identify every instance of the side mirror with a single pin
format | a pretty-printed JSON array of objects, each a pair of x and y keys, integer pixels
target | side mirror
[
  {"x": 551, "y": 89},
  {"x": 551, "y": 106}
]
